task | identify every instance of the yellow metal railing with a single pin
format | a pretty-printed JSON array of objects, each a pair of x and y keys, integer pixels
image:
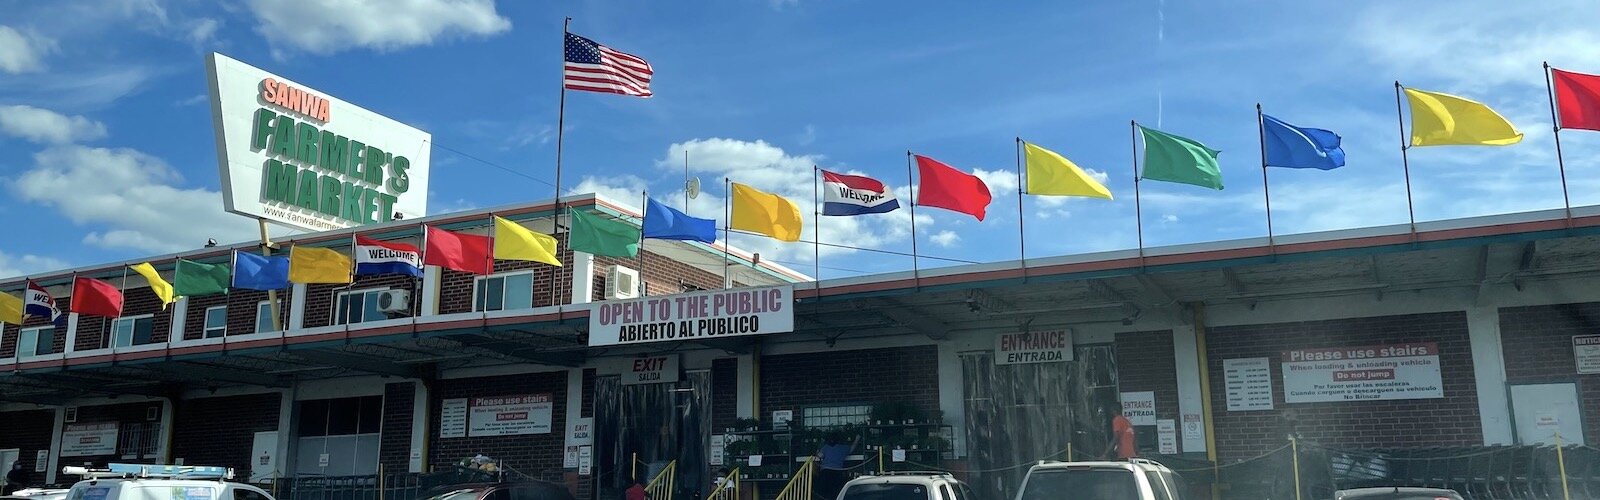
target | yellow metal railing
[
  {"x": 799, "y": 487},
  {"x": 662, "y": 486},
  {"x": 729, "y": 489}
]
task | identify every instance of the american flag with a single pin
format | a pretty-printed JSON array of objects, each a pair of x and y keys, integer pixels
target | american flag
[{"x": 597, "y": 68}]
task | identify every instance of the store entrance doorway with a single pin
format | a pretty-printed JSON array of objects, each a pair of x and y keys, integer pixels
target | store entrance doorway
[
  {"x": 1018, "y": 414},
  {"x": 657, "y": 423}
]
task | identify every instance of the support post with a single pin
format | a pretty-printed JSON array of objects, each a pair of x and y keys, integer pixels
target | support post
[{"x": 1405, "y": 160}]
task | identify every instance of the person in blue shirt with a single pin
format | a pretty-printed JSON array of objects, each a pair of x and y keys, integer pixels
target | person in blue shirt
[{"x": 831, "y": 457}]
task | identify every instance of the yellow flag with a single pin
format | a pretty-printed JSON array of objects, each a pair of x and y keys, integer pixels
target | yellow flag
[
  {"x": 10, "y": 309},
  {"x": 318, "y": 265},
  {"x": 765, "y": 213},
  {"x": 1443, "y": 120},
  {"x": 514, "y": 242},
  {"x": 1053, "y": 175},
  {"x": 162, "y": 288}
]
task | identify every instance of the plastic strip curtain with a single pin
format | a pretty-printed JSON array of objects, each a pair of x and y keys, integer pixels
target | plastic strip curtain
[{"x": 661, "y": 423}]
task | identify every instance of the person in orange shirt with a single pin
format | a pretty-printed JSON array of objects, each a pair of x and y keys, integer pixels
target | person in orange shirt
[{"x": 1122, "y": 443}]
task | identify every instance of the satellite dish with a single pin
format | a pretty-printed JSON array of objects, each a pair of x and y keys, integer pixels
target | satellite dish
[{"x": 693, "y": 187}]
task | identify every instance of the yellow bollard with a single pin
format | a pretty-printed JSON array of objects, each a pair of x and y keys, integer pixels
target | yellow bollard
[
  {"x": 1069, "y": 451},
  {"x": 380, "y": 481},
  {"x": 634, "y": 465},
  {"x": 1294, "y": 446},
  {"x": 1561, "y": 464},
  {"x": 880, "y": 460}
]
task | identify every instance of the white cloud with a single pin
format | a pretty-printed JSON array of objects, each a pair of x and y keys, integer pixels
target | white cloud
[
  {"x": 45, "y": 126},
  {"x": 1169, "y": 218},
  {"x": 132, "y": 195},
  {"x": 626, "y": 189},
  {"x": 193, "y": 100},
  {"x": 20, "y": 52},
  {"x": 26, "y": 264},
  {"x": 322, "y": 27},
  {"x": 1476, "y": 50},
  {"x": 945, "y": 238},
  {"x": 1000, "y": 182}
]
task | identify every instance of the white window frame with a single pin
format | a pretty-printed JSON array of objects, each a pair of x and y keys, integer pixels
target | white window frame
[
  {"x": 339, "y": 319},
  {"x": 134, "y": 320},
  {"x": 477, "y": 284},
  {"x": 264, "y": 310},
  {"x": 23, "y": 334},
  {"x": 205, "y": 323}
]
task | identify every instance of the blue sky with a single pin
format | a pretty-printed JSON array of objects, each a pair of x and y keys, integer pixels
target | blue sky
[{"x": 107, "y": 150}]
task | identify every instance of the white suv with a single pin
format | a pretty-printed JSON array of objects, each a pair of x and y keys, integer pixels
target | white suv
[
  {"x": 159, "y": 482},
  {"x": 906, "y": 486},
  {"x": 1135, "y": 479}
]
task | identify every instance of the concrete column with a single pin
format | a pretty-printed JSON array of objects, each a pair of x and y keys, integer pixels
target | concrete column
[
  {"x": 574, "y": 407},
  {"x": 420, "y": 406},
  {"x": 746, "y": 405},
  {"x": 286, "y": 434},
  {"x": 167, "y": 422},
  {"x": 582, "y": 278},
  {"x": 72, "y": 333},
  {"x": 1186, "y": 360},
  {"x": 180, "y": 316},
  {"x": 52, "y": 462},
  {"x": 297, "y": 308},
  {"x": 952, "y": 396},
  {"x": 432, "y": 276},
  {"x": 1489, "y": 371}
]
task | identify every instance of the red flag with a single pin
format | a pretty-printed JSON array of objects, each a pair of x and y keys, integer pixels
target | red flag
[
  {"x": 945, "y": 187},
  {"x": 1578, "y": 99},
  {"x": 462, "y": 252},
  {"x": 95, "y": 297}
]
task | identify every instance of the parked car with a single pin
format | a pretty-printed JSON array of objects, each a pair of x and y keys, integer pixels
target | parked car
[
  {"x": 1396, "y": 493},
  {"x": 1134, "y": 479},
  {"x": 513, "y": 490},
  {"x": 37, "y": 494},
  {"x": 144, "y": 482},
  {"x": 906, "y": 486}
]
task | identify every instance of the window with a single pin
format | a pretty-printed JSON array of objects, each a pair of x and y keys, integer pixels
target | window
[
  {"x": 504, "y": 292},
  {"x": 216, "y": 322},
  {"x": 264, "y": 316},
  {"x": 1089, "y": 484},
  {"x": 35, "y": 341},
  {"x": 131, "y": 331},
  {"x": 944, "y": 492},
  {"x": 885, "y": 491},
  {"x": 358, "y": 306},
  {"x": 247, "y": 494},
  {"x": 834, "y": 416}
]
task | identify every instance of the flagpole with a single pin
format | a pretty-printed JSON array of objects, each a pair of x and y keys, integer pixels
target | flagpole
[
  {"x": 1266, "y": 192},
  {"x": 685, "y": 181},
  {"x": 816, "y": 233},
  {"x": 1555, "y": 123},
  {"x": 1138, "y": 210},
  {"x": 1022, "y": 235},
  {"x": 1405, "y": 160},
  {"x": 644, "y": 205},
  {"x": 561, "y": 118},
  {"x": 727, "y": 188},
  {"x": 916, "y": 274}
]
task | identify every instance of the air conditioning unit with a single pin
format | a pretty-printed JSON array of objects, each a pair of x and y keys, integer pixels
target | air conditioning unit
[
  {"x": 394, "y": 301},
  {"x": 621, "y": 283}
]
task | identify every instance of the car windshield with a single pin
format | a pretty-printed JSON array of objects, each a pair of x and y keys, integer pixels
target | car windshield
[
  {"x": 461, "y": 494},
  {"x": 1081, "y": 484},
  {"x": 886, "y": 492}
]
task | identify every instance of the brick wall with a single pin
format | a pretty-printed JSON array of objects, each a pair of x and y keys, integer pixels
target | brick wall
[
  {"x": 724, "y": 393},
  {"x": 10, "y": 335},
  {"x": 899, "y": 374},
  {"x": 241, "y": 311},
  {"x": 125, "y": 414},
  {"x": 28, "y": 432},
  {"x": 661, "y": 274},
  {"x": 94, "y": 332},
  {"x": 1537, "y": 344},
  {"x": 1449, "y": 421},
  {"x": 320, "y": 297},
  {"x": 394, "y": 449},
  {"x": 221, "y": 431},
  {"x": 538, "y": 455},
  {"x": 1145, "y": 362}
]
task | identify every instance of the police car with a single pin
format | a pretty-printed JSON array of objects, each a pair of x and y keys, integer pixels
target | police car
[{"x": 159, "y": 482}]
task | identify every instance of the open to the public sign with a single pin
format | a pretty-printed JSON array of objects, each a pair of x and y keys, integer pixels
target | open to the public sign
[
  {"x": 692, "y": 316},
  {"x": 293, "y": 155}
]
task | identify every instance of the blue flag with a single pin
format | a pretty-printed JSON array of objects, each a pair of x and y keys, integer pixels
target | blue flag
[
  {"x": 1295, "y": 147},
  {"x": 255, "y": 272},
  {"x": 664, "y": 223}
]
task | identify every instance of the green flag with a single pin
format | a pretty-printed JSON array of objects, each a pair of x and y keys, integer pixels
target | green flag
[
  {"x": 1171, "y": 158},
  {"x": 601, "y": 236},
  {"x": 194, "y": 279}
]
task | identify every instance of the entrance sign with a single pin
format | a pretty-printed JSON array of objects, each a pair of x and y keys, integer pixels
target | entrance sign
[
  {"x": 1249, "y": 383},
  {"x": 1139, "y": 407},
  {"x": 510, "y": 415},
  {"x": 1033, "y": 347},
  {"x": 88, "y": 440},
  {"x": 296, "y": 156},
  {"x": 692, "y": 316},
  {"x": 1365, "y": 373},
  {"x": 453, "y": 418},
  {"x": 1586, "y": 353},
  {"x": 652, "y": 370}
]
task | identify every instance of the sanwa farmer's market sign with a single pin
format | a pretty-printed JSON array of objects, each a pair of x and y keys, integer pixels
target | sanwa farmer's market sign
[
  {"x": 293, "y": 155},
  {"x": 704, "y": 315}
]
